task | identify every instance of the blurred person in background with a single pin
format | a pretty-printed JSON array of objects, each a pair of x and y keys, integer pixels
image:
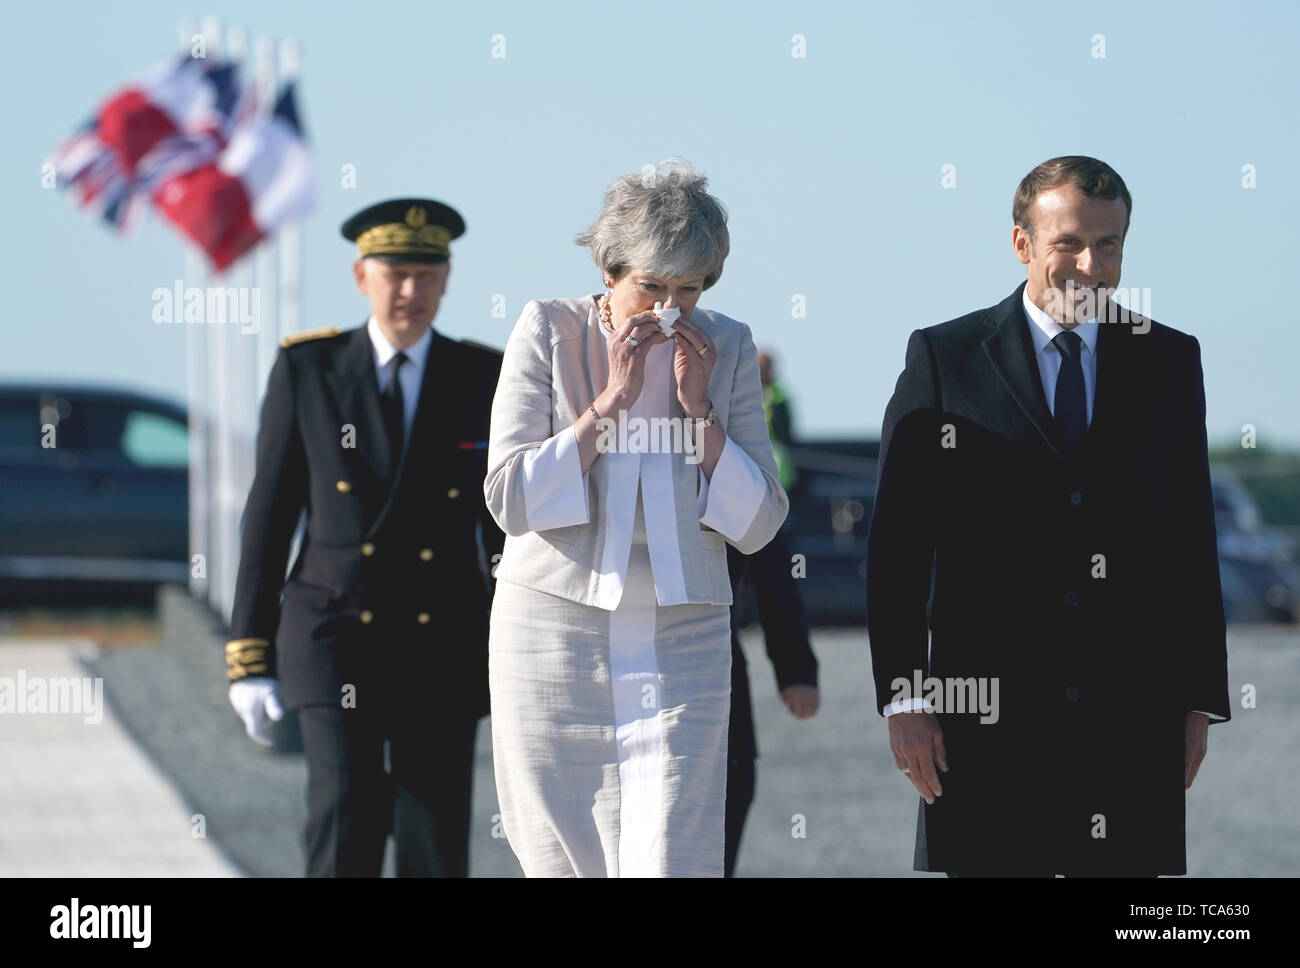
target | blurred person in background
[
  {"x": 781, "y": 614},
  {"x": 780, "y": 420}
]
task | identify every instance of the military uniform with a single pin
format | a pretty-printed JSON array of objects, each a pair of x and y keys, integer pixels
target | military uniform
[{"x": 379, "y": 634}]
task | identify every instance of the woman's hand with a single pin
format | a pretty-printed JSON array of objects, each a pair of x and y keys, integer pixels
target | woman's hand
[
  {"x": 692, "y": 368},
  {"x": 627, "y": 362},
  {"x": 626, "y": 378}
]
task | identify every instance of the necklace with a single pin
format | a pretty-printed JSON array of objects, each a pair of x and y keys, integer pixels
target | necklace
[{"x": 606, "y": 316}]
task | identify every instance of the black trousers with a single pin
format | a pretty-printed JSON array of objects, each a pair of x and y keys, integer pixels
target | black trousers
[
  {"x": 353, "y": 802},
  {"x": 741, "y": 779}
]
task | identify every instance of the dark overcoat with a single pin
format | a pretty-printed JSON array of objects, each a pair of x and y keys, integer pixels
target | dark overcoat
[{"x": 1089, "y": 589}]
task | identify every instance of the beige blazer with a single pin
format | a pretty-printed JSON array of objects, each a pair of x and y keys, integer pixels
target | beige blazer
[{"x": 556, "y": 363}]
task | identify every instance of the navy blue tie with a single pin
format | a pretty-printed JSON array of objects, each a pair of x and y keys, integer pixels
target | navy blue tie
[
  {"x": 395, "y": 410},
  {"x": 1071, "y": 405}
]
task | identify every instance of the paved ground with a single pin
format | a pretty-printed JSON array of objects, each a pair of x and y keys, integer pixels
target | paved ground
[
  {"x": 91, "y": 799},
  {"x": 1241, "y": 816},
  {"x": 80, "y": 798}
]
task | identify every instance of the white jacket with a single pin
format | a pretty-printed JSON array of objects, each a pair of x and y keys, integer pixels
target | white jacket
[{"x": 569, "y": 534}]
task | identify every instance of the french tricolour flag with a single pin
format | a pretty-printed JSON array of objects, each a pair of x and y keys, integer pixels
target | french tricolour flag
[
  {"x": 177, "y": 115},
  {"x": 263, "y": 178}
]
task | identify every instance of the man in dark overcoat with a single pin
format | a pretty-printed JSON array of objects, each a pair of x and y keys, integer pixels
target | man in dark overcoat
[{"x": 1044, "y": 610}]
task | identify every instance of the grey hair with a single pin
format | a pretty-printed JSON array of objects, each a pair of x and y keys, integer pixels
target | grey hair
[{"x": 662, "y": 221}]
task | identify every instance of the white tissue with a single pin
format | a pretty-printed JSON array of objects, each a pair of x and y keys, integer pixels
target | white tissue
[{"x": 666, "y": 318}]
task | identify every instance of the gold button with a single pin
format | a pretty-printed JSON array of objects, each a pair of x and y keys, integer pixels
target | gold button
[
  {"x": 344, "y": 487},
  {"x": 367, "y": 617},
  {"x": 423, "y": 618},
  {"x": 367, "y": 549},
  {"x": 426, "y": 554},
  {"x": 454, "y": 493}
]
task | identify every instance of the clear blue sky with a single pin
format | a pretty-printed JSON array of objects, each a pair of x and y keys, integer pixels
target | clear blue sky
[{"x": 830, "y": 166}]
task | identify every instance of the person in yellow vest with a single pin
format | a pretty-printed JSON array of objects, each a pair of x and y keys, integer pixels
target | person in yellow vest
[{"x": 776, "y": 404}]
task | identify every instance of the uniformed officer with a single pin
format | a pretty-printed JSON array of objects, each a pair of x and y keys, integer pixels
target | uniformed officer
[{"x": 378, "y": 635}]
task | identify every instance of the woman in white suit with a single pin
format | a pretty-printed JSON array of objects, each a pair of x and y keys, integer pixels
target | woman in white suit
[{"x": 625, "y": 447}]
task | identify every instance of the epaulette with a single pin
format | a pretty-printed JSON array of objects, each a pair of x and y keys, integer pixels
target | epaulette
[{"x": 322, "y": 333}]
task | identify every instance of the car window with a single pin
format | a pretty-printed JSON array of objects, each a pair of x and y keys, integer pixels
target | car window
[
  {"x": 154, "y": 440},
  {"x": 20, "y": 424},
  {"x": 96, "y": 425}
]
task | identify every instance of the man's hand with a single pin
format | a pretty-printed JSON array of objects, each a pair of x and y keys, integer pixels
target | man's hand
[
  {"x": 1196, "y": 729},
  {"x": 917, "y": 744},
  {"x": 257, "y": 700},
  {"x": 802, "y": 701}
]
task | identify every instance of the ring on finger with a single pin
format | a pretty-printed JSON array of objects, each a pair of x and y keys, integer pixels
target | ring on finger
[
  {"x": 632, "y": 341},
  {"x": 906, "y": 770},
  {"x": 704, "y": 349}
]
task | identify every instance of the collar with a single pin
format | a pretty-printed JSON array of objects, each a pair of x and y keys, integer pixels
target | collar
[
  {"x": 1045, "y": 328},
  {"x": 385, "y": 351}
]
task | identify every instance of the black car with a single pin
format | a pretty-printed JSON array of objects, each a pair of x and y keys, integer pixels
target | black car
[
  {"x": 830, "y": 510},
  {"x": 95, "y": 487},
  {"x": 1257, "y": 568}
]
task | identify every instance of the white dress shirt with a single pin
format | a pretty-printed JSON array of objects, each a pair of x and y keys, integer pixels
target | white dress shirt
[
  {"x": 555, "y": 493},
  {"x": 1042, "y": 330},
  {"x": 411, "y": 376}
]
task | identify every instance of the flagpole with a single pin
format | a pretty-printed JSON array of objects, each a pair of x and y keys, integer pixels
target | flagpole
[
  {"x": 290, "y": 235},
  {"x": 242, "y": 339},
  {"x": 268, "y": 283},
  {"x": 221, "y": 570},
  {"x": 289, "y": 242},
  {"x": 200, "y": 526}
]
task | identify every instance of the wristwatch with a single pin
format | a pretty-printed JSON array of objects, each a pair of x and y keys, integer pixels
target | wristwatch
[{"x": 708, "y": 420}]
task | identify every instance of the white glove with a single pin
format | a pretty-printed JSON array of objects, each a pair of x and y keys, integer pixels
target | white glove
[{"x": 257, "y": 700}]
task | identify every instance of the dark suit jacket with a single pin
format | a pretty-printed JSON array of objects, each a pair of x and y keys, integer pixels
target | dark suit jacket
[
  {"x": 785, "y": 635},
  {"x": 1083, "y": 770},
  {"x": 390, "y": 589}
]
